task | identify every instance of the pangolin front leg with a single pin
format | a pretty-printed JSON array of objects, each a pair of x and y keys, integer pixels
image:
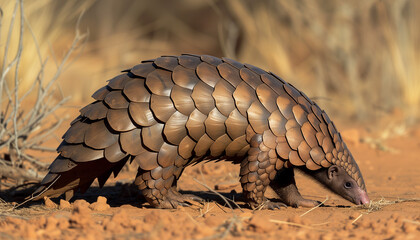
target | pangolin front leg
[
  {"x": 285, "y": 186},
  {"x": 159, "y": 186},
  {"x": 257, "y": 170}
]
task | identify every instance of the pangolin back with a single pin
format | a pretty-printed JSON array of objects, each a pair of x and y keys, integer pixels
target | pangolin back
[{"x": 173, "y": 111}]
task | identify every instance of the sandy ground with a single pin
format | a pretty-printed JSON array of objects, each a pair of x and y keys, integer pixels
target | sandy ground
[{"x": 119, "y": 212}]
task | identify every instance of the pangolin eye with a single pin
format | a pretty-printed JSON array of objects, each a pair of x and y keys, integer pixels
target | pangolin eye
[{"x": 348, "y": 185}]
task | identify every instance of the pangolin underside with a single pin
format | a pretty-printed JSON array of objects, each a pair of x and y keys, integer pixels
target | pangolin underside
[{"x": 174, "y": 111}]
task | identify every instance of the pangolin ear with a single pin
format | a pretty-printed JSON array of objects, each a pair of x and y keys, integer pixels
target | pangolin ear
[{"x": 332, "y": 171}]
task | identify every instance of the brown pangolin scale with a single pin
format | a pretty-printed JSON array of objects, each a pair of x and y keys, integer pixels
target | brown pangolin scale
[{"x": 171, "y": 112}]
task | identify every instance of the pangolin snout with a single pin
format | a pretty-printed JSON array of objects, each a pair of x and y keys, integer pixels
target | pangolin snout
[{"x": 362, "y": 198}]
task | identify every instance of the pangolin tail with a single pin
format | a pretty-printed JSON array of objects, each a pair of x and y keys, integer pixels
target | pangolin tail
[{"x": 80, "y": 177}]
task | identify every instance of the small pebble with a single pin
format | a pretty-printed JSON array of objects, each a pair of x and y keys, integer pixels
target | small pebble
[
  {"x": 64, "y": 204},
  {"x": 100, "y": 204},
  {"x": 48, "y": 203}
]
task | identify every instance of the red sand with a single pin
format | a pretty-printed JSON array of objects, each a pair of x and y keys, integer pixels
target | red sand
[{"x": 389, "y": 175}]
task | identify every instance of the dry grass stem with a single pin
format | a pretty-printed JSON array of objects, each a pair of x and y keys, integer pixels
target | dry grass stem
[
  {"x": 295, "y": 224},
  {"x": 374, "y": 206},
  {"x": 411, "y": 221},
  {"x": 355, "y": 220},
  {"x": 225, "y": 199},
  {"x": 208, "y": 209},
  {"x": 317, "y": 206},
  {"x": 26, "y": 129}
]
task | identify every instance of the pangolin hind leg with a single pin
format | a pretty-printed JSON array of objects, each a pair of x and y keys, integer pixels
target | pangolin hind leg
[
  {"x": 159, "y": 186},
  {"x": 258, "y": 169},
  {"x": 285, "y": 186}
]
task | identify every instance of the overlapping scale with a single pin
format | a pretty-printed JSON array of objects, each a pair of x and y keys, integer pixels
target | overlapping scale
[
  {"x": 236, "y": 124},
  {"x": 215, "y": 124},
  {"x": 309, "y": 134},
  {"x": 142, "y": 70},
  {"x": 131, "y": 142},
  {"x": 114, "y": 153},
  {"x": 141, "y": 114},
  {"x": 77, "y": 119},
  {"x": 175, "y": 129},
  {"x": 219, "y": 145},
  {"x": 324, "y": 129},
  {"x": 208, "y": 74},
  {"x": 319, "y": 137},
  {"x": 202, "y": 97},
  {"x": 61, "y": 164},
  {"x": 317, "y": 155},
  {"x": 234, "y": 63},
  {"x": 273, "y": 83},
  {"x": 94, "y": 111},
  {"x": 190, "y": 62},
  {"x": 118, "y": 82},
  {"x": 314, "y": 121},
  {"x": 119, "y": 120},
  {"x": 277, "y": 77},
  {"x": 304, "y": 103},
  {"x": 294, "y": 137},
  {"x": 195, "y": 124},
  {"x": 203, "y": 145},
  {"x": 184, "y": 77},
  {"x": 255, "y": 69},
  {"x": 80, "y": 152},
  {"x": 291, "y": 123},
  {"x": 152, "y": 136},
  {"x": 167, "y": 155},
  {"x": 156, "y": 175},
  {"x": 168, "y": 63},
  {"x": 331, "y": 129},
  {"x": 291, "y": 90},
  {"x": 277, "y": 123},
  {"x": 222, "y": 95},
  {"x": 147, "y": 160},
  {"x": 326, "y": 118},
  {"x": 116, "y": 100},
  {"x": 186, "y": 147},
  {"x": 98, "y": 135},
  {"x": 317, "y": 111},
  {"x": 311, "y": 165},
  {"x": 267, "y": 97},
  {"x": 100, "y": 93},
  {"x": 162, "y": 107},
  {"x": 244, "y": 96},
  {"x": 258, "y": 117},
  {"x": 182, "y": 100},
  {"x": 327, "y": 145},
  {"x": 295, "y": 159},
  {"x": 229, "y": 73},
  {"x": 76, "y": 132},
  {"x": 49, "y": 178},
  {"x": 283, "y": 148},
  {"x": 303, "y": 151},
  {"x": 285, "y": 105},
  {"x": 269, "y": 140},
  {"x": 211, "y": 60},
  {"x": 136, "y": 91},
  {"x": 236, "y": 146},
  {"x": 250, "y": 77},
  {"x": 300, "y": 114},
  {"x": 159, "y": 82}
]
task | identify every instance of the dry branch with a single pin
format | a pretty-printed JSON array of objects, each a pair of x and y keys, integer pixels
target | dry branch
[{"x": 26, "y": 129}]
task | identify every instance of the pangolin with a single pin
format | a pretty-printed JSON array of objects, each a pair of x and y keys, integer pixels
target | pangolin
[{"x": 174, "y": 111}]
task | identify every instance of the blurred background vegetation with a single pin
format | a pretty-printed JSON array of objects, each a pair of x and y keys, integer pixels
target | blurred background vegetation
[{"x": 358, "y": 59}]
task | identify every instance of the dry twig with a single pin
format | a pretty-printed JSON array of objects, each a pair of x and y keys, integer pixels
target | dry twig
[{"x": 26, "y": 129}]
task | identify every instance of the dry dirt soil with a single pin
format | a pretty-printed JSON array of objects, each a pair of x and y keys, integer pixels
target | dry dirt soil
[{"x": 390, "y": 167}]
